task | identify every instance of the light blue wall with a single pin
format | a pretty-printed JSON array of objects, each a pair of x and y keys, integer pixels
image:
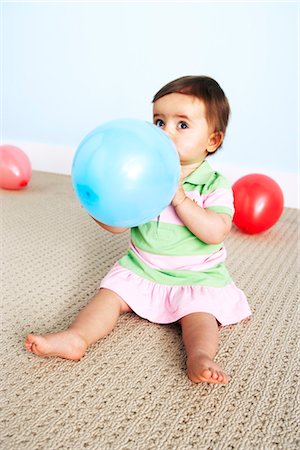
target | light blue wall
[{"x": 69, "y": 67}]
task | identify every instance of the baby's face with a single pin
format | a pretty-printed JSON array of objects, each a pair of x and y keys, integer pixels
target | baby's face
[{"x": 183, "y": 118}]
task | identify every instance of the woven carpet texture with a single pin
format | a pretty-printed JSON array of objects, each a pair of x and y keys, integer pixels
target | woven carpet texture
[{"x": 130, "y": 391}]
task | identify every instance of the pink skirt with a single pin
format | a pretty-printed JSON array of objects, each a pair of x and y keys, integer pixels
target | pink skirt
[{"x": 164, "y": 304}]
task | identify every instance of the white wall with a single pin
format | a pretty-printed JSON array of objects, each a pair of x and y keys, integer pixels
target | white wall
[{"x": 68, "y": 67}]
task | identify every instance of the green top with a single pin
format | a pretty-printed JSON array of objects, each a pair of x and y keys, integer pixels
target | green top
[{"x": 168, "y": 238}]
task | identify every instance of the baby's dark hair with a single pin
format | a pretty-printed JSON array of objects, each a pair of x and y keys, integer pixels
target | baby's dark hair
[{"x": 206, "y": 89}]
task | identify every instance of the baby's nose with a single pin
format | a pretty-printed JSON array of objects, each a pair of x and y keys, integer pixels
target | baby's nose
[{"x": 169, "y": 132}]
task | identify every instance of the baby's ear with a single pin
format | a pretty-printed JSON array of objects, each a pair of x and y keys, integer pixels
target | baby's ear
[{"x": 215, "y": 141}]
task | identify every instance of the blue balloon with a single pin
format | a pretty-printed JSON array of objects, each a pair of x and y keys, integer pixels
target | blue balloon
[{"x": 125, "y": 172}]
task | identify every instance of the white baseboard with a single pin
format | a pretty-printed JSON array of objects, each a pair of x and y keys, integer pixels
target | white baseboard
[
  {"x": 58, "y": 159},
  {"x": 288, "y": 181},
  {"x": 48, "y": 157}
]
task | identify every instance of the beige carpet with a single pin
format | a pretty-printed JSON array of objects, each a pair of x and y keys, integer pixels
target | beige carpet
[{"x": 130, "y": 391}]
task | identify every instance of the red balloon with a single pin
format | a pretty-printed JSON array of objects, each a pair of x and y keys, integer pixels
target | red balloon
[
  {"x": 258, "y": 202},
  {"x": 15, "y": 168}
]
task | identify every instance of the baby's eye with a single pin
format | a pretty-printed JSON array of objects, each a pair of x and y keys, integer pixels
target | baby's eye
[
  {"x": 159, "y": 123},
  {"x": 182, "y": 125}
]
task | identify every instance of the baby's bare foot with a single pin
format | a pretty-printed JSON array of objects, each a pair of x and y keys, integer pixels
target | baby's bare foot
[
  {"x": 201, "y": 368},
  {"x": 65, "y": 344}
]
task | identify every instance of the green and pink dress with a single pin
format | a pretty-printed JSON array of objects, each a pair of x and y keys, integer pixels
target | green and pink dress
[{"x": 168, "y": 272}]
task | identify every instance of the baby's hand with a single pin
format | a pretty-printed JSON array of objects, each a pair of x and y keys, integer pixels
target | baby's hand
[{"x": 179, "y": 196}]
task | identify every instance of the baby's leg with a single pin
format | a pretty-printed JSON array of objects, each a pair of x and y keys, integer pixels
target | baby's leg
[
  {"x": 200, "y": 336},
  {"x": 93, "y": 322}
]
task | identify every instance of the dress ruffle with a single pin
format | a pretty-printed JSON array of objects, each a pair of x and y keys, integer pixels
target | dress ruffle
[{"x": 164, "y": 304}]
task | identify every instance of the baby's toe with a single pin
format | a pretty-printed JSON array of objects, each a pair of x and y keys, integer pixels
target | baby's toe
[
  {"x": 215, "y": 375},
  {"x": 206, "y": 374},
  {"x": 218, "y": 377},
  {"x": 32, "y": 343},
  {"x": 225, "y": 378},
  {"x": 28, "y": 342}
]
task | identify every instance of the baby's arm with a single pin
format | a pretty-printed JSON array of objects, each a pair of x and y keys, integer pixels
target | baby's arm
[
  {"x": 207, "y": 225},
  {"x": 115, "y": 230}
]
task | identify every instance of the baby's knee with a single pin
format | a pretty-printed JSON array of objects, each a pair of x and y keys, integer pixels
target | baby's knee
[{"x": 113, "y": 296}]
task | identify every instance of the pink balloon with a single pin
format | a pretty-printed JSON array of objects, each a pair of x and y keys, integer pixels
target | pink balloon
[{"x": 15, "y": 168}]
